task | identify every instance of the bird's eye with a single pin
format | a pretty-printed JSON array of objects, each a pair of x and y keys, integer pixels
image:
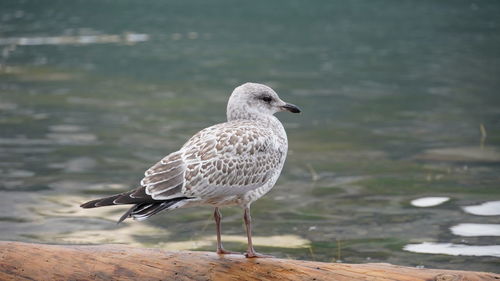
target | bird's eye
[{"x": 267, "y": 99}]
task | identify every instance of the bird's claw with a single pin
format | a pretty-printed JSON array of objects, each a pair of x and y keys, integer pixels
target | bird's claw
[{"x": 257, "y": 255}]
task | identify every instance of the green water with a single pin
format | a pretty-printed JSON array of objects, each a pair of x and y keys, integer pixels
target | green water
[{"x": 385, "y": 88}]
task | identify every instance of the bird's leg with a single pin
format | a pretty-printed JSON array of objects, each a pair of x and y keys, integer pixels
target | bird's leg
[
  {"x": 248, "y": 223},
  {"x": 220, "y": 249}
]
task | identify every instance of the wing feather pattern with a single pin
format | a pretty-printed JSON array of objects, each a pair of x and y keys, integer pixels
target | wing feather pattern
[
  {"x": 231, "y": 159},
  {"x": 165, "y": 179}
]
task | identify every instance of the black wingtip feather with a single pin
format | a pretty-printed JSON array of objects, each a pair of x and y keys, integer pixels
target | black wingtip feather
[
  {"x": 144, "y": 205},
  {"x": 90, "y": 204},
  {"x": 107, "y": 201},
  {"x": 146, "y": 210},
  {"x": 118, "y": 199}
]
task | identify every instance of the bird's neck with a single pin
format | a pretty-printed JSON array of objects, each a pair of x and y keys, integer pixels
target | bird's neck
[
  {"x": 246, "y": 113},
  {"x": 243, "y": 112},
  {"x": 233, "y": 115},
  {"x": 265, "y": 120}
]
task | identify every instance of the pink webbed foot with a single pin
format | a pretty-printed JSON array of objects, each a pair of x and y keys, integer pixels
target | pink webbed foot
[{"x": 253, "y": 254}]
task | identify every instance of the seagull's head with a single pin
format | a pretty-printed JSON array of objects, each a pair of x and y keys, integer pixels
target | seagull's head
[{"x": 253, "y": 99}]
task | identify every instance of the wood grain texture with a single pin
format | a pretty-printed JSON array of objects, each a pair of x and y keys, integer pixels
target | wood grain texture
[{"x": 26, "y": 261}]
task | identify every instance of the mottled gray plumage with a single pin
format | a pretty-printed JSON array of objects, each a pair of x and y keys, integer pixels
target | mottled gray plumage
[{"x": 232, "y": 163}]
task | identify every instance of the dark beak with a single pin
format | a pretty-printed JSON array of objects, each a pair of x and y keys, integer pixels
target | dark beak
[{"x": 291, "y": 107}]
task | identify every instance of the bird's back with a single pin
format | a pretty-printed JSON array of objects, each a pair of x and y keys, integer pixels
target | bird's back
[{"x": 223, "y": 163}]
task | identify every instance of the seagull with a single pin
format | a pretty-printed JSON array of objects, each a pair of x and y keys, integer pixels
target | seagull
[{"x": 228, "y": 164}]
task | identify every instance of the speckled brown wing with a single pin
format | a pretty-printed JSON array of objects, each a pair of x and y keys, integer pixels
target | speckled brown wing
[
  {"x": 165, "y": 179},
  {"x": 230, "y": 159}
]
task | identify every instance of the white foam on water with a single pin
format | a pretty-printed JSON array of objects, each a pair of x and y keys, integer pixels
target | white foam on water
[
  {"x": 136, "y": 37},
  {"x": 75, "y": 40},
  {"x": 491, "y": 208},
  {"x": 429, "y": 201},
  {"x": 476, "y": 229},
  {"x": 454, "y": 249}
]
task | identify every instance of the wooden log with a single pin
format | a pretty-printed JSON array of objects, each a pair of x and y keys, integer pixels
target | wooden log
[{"x": 26, "y": 261}]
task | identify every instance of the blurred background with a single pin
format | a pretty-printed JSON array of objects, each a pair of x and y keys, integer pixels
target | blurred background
[{"x": 396, "y": 157}]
